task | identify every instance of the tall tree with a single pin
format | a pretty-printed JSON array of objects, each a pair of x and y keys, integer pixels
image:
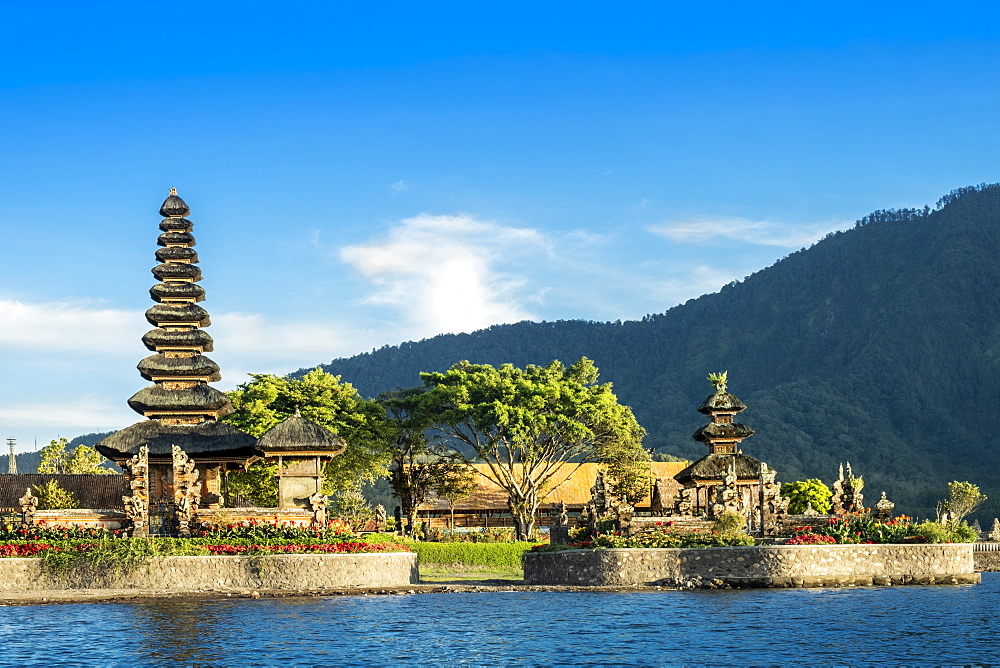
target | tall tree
[
  {"x": 266, "y": 400},
  {"x": 456, "y": 481},
  {"x": 533, "y": 427},
  {"x": 55, "y": 458},
  {"x": 417, "y": 463}
]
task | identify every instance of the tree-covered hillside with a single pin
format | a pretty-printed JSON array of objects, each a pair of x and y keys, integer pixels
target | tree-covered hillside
[{"x": 879, "y": 345}]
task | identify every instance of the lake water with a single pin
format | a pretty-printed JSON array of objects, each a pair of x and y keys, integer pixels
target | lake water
[{"x": 894, "y": 625}]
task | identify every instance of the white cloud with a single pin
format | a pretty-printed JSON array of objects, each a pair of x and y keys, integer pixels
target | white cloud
[
  {"x": 704, "y": 229},
  {"x": 67, "y": 326},
  {"x": 94, "y": 412},
  {"x": 449, "y": 273},
  {"x": 399, "y": 186}
]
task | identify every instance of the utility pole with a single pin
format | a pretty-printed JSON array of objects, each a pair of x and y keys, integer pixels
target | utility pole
[{"x": 12, "y": 465}]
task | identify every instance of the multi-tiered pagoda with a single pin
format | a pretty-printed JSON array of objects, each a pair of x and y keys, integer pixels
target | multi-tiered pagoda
[
  {"x": 724, "y": 479},
  {"x": 184, "y": 446}
]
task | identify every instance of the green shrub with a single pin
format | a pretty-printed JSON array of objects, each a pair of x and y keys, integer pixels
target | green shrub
[{"x": 51, "y": 496}]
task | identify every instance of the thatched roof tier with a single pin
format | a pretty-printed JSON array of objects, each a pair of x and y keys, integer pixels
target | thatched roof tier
[
  {"x": 721, "y": 402},
  {"x": 297, "y": 434},
  {"x": 196, "y": 366},
  {"x": 217, "y": 440},
  {"x": 162, "y": 291},
  {"x": 156, "y": 399},
  {"x": 176, "y": 270},
  {"x": 165, "y": 314},
  {"x": 713, "y": 430},
  {"x": 176, "y": 254},
  {"x": 93, "y": 490},
  {"x": 174, "y": 238},
  {"x": 174, "y": 206},
  {"x": 176, "y": 225},
  {"x": 192, "y": 339},
  {"x": 715, "y": 467}
]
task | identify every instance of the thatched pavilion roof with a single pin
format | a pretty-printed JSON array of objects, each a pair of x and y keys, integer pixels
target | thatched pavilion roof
[
  {"x": 192, "y": 338},
  {"x": 161, "y": 365},
  {"x": 161, "y": 314},
  {"x": 715, "y": 467},
  {"x": 297, "y": 434},
  {"x": 174, "y": 206},
  {"x": 155, "y": 398},
  {"x": 176, "y": 225},
  {"x": 714, "y": 430},
  {"x": 207, "y": 440},
  {"x": 176, "y": 254},
  {"x": 721, "y": 402}
]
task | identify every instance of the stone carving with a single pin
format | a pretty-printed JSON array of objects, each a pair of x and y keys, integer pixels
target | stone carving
[
  {"x": 317, "y": 503},
  {"x": 978, "y": 528},
  {"x": 884, "y": 507},
  {"x": 137, "y": 505},
  {"x": 773, "y": 507},
  {"x": 810, "y": 511},
  {"x": 29, "y": 504},
  {"x": 727, "y": 495},
  {"x": 847, "y": 497},
  {"x": 995, "y": 530},
  {"x": 686, "y": 502},
  {"x": 187, "y": 491},
  {"x": 599, "y": 496},
  {"x": 563, "y": 519},
  {"x": 380, "y": 517}
]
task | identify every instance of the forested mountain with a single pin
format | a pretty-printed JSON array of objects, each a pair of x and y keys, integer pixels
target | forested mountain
[{"x": 879, "y": 345}]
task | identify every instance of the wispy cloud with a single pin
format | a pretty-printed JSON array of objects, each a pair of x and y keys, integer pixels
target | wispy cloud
[
  {"x": 399, "y": 186},
  {"x": 67, "y": 326},
  {"x": 94, "y": 412},
  {"x": 447, "y": 273},
  {"x": 704, "y": 229}
]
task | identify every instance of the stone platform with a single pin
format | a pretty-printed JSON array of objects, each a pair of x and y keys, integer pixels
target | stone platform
[
  {"x": 292, "y": 572},
  {"x": 760, "y": 566}
]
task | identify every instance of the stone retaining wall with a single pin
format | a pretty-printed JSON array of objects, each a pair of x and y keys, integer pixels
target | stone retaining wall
[
  {"x": 987, "y": 561},
  {"x": 761, "y": 566},
  {"x": 189, "y": 574}
]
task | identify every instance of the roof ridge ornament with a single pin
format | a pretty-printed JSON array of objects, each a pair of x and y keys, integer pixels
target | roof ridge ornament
[{"x": 719, "y": 380}]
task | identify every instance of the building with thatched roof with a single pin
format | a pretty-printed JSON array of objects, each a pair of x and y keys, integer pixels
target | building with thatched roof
[{"x": 487, "y": 505}]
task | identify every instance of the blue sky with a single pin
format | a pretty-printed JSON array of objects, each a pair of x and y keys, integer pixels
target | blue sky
[{"x": 368, "y": 173}]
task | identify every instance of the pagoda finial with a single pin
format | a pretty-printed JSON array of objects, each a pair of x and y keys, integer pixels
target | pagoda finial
[
  {"x": 719, "y": 380},
  {"x": 173, "y": 191}
]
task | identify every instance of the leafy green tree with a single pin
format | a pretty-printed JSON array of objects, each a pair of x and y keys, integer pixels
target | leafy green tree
[
  {"x": 352, "y": 507},
  {"x": 964, "y": 498},
  {"x": 526, "y": 424},
  {"x": 804, "y": 492},
  {"x": 52, "y": 496},
  {"x": 414, "y": 458},
  {"x": 456, "y": 481},
  {"x": 266, "y": 400},
  {"x": 55, "y": 458}
]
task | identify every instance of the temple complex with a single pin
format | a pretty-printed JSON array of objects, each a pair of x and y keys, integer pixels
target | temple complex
[
  {"x": 726, "y": 480},
  {"x": 177, "y": 458}
]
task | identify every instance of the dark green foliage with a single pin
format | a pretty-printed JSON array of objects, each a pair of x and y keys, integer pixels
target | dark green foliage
[
  {"x": 494, "y": 555},
  {"x": 879, "y": 346}
]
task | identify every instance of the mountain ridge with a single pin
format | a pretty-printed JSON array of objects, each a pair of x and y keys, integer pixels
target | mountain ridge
[{"x": 878, "y": 345}]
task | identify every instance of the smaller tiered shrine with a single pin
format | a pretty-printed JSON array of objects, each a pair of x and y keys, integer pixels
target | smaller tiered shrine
[{"x": 726, "y": 480}]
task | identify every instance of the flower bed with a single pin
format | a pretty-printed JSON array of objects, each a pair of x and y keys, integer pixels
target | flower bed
[{"x": 862, "y": 528}]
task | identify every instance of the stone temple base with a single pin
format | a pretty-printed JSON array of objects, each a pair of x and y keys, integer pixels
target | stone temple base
[
  {"x": 190, "y": 574},
  {"x": 762, "y": 566}
]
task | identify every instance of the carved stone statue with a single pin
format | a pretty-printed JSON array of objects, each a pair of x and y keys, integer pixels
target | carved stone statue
[
  {"x": 563, "y": 519},
  {"x": 380, "y": 517},
  {"x": 317, "y": 502},
  {"x": 137, "y": 505},
  {"x": 29, "y": 504},
  {"x": 995, "y": 530},
  {"x": 884, "y": 507}
]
